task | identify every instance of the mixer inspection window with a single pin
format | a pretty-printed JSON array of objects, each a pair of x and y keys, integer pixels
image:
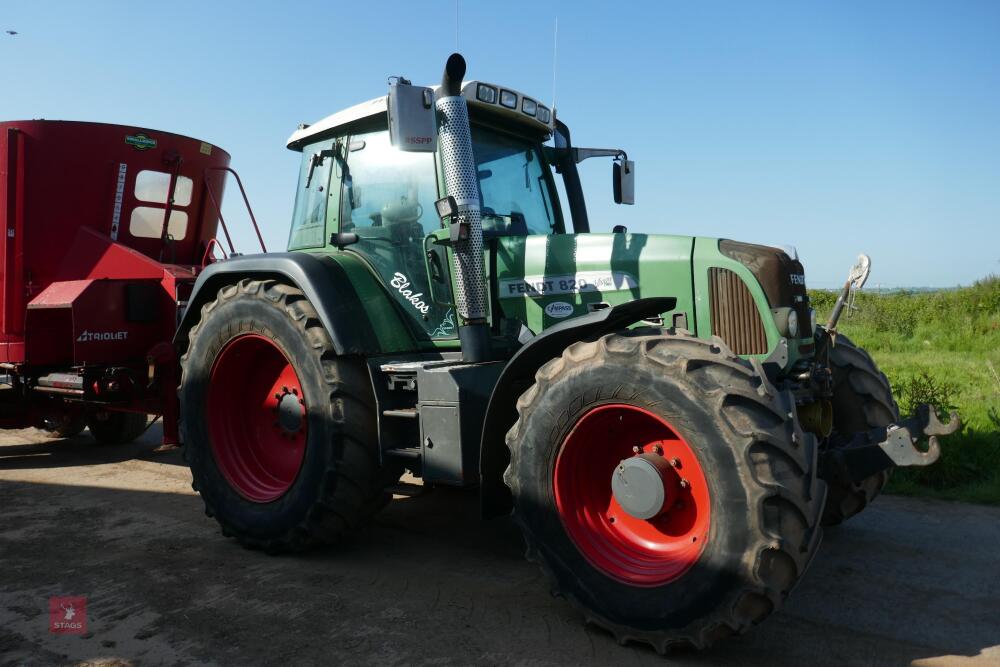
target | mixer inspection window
[{"x": 153, "y": 187}]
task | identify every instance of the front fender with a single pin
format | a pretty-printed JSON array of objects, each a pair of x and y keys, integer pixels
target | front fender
[{"x": 519, "y": 374}]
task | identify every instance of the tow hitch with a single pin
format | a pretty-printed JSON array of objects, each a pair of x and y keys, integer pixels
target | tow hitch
[{"x": 894, "y": 446}]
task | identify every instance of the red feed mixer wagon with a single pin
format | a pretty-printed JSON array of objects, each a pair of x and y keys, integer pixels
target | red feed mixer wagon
[{"x": 105, "y": 229}]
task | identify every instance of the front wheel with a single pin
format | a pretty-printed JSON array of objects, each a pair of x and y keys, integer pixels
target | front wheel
[
  {"x": 862, "y": 400},
  {"x": 662, "y": 485}
]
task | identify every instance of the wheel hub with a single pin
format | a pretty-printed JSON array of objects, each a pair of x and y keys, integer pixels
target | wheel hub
[
  {"x": 650, "y": 525},
  {"x": 289, "y": 411},
  {"x": 645, "y": 485}
]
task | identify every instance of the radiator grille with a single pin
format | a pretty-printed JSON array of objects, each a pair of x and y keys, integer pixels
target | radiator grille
[{"x": 735, "y": 318}]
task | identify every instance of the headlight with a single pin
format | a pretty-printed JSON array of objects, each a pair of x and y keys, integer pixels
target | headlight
[
  {"x": 812, "y": 321},
  {"x": 793, "y": 324},
  {"x": 508, "y": 99},
  {"x": 486, "y": 94}
]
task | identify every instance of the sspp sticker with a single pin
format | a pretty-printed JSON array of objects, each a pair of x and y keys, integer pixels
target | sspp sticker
[{"x": 559, "y": 309}]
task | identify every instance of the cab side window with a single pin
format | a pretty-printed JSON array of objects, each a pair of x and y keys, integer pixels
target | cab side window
[{"x": 388, "y": 192}]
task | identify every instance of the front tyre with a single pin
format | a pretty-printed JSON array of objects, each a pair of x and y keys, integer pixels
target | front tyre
[
  {"x": 279, "y": 432},
  {"x": 663, "y": 487},
  {"x": 862, "y": 400}
]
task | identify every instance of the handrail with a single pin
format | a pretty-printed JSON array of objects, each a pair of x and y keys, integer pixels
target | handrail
[
  {"x": 218, "y": 208},
  {"x": 213, "y": 243}
]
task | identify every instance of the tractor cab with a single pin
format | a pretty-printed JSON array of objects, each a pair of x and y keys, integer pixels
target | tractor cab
[{"x": 357, "y": 190}]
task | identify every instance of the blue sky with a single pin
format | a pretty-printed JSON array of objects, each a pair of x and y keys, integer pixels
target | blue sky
[{"x": 838, "y": 127}]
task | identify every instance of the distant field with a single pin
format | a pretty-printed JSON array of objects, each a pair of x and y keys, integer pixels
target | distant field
[{"x": 941, "y": 347}]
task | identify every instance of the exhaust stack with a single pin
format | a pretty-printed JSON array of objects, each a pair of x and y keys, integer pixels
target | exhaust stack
[{"x": 462, "y": 183}]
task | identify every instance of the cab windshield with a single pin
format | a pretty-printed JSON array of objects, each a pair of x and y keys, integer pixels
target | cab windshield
[{"x": 514, "y": 186}]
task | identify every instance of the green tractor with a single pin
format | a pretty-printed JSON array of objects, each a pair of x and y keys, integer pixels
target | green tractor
[{"x": 661, "y": 414}]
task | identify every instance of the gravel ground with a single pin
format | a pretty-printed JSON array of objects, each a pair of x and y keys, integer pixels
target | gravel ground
[{"x": 909, "y": 582}]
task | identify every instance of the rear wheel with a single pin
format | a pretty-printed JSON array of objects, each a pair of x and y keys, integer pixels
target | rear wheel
[
  {"x": 862, "y": 400},
  {"x": 662, "y": 486},
  {"x": 280, "y": 433},
  {"x": 116, "y": 428}
]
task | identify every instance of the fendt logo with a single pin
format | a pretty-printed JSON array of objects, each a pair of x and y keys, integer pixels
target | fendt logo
[
  {"x": 101, "y": 336},
  {"x": 797, "y": 278}
]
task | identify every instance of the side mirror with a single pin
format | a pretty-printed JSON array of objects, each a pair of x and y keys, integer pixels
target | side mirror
[
  {"x": 623, "y": 173},
  {"x": 412, "y": 122}
]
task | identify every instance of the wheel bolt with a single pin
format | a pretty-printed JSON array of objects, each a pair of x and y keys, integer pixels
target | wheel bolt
[
  {"x": 284, "y": 389},
  {"x": 675, "y": 462},
  {"x": 278, "y": 396},
  {"x": 295, "y": 391},
  {"x": 635, "y": 449},
  {"x": 685, "y": 484},
  {"x": 657, "y": 449}
]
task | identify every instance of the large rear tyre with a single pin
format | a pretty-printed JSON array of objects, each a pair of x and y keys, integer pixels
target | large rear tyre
[
  {"x": 117, "y": 428},
  {"x": 663, "y": 487},
  {"x": 862, "y": 400},
  {"x": 279, "y": 432}
]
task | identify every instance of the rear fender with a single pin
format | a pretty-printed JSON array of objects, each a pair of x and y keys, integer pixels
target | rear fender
[
  {"x": 519, "y": 374},
  {"x": 323, "y": 281}
]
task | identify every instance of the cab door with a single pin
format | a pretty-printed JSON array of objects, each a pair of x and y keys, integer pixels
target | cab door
[{"x": 388, "y": 200}]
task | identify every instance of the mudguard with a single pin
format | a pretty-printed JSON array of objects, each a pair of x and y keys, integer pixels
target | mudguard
[
  {"x": 519, "y": 374},
  {"x": 324, "y": 282}
]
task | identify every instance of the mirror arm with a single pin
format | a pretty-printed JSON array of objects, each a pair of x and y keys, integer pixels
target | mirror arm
[{"x": 581, "y": 154}]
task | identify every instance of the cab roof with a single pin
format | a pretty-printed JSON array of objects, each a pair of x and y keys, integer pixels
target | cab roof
[{"x": 482, "y": 96}]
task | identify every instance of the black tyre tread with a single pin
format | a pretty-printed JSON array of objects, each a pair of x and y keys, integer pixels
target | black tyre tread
[
  {"x": 354, "y": 484},
  {"x": 119, "y": 428},
  {"x": 862, "y": 400},
  {"x": 791, "y": 499}
]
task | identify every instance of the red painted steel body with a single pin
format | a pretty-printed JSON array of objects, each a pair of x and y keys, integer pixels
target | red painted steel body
[{"x": 91, "y": 277}]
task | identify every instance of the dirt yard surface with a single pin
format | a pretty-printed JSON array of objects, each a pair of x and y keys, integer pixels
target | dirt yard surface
[{"x": 908, "y": 582}]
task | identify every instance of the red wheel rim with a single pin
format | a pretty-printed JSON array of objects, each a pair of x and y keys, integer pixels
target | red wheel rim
[
  {"x": 256, "y": 418},
  {"x": 640, "y": 552}
]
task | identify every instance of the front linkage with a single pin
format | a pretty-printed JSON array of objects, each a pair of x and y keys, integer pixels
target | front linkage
[{"x": 879, "y": 449}]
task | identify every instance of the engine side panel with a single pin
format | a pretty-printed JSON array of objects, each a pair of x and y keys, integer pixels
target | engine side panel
[{"x": 545, "y": 280}]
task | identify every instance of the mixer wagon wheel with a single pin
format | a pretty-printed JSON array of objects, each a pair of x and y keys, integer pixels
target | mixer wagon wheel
[
  {"x": 65, "y": 426},
  {"x": 862, "y": 400},
  {"x": 116, "y": 428},
  {"x": 663, "y": 487},
  {"x": 280, "y": 433}
]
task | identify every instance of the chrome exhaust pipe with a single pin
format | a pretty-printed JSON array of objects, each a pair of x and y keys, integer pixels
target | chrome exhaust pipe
[{"x": 462, "y": 182}]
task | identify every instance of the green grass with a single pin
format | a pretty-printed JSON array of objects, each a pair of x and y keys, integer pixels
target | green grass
[{"x": 941, "y": 347}]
